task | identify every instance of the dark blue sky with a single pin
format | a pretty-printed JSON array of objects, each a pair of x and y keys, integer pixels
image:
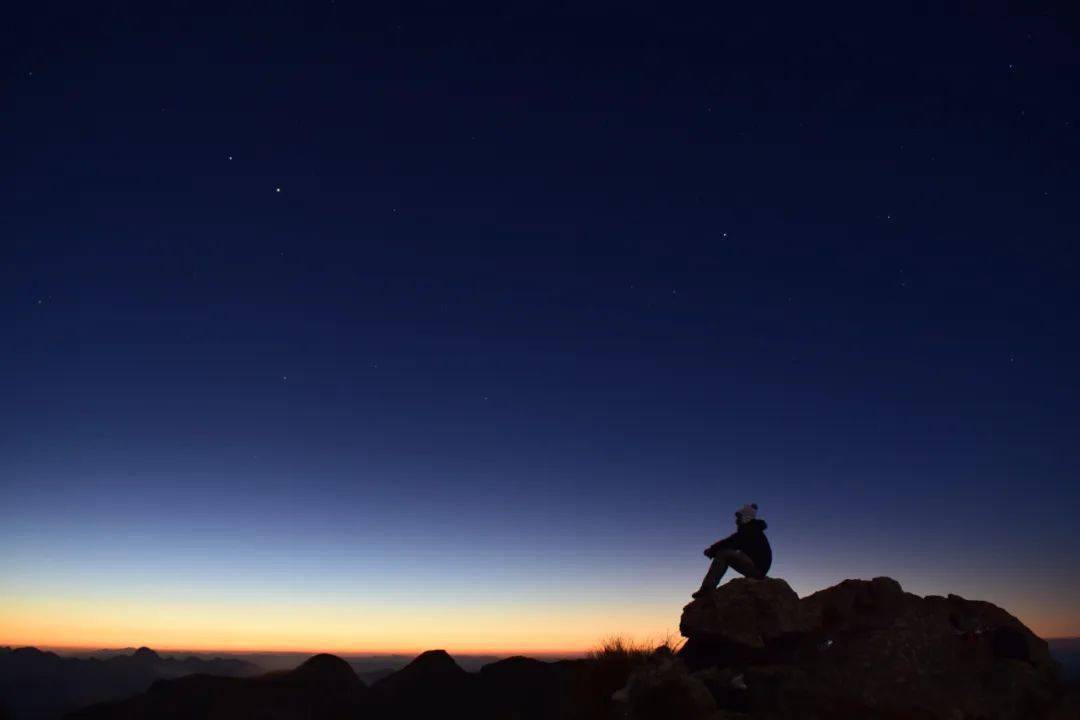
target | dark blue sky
[{"x": 327, "y": 303}]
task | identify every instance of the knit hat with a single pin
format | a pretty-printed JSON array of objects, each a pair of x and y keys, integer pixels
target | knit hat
[{"x": 746, "y": 513}]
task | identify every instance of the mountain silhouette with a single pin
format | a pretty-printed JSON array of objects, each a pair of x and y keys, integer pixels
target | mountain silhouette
[
  {"x": 39, "y": 685},
  {"x": 428, "y": 685},
  {"x": 324, "y": 686},
  {"x": 327, "y": 672}
]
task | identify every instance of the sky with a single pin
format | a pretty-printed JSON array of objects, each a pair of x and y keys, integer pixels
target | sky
[{"x": 351, "y": 327}]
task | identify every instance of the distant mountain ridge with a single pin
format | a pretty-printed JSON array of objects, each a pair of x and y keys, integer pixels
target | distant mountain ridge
[
  {"x": 41, "y": 685},
  {"x": 1067, "y": 652}
]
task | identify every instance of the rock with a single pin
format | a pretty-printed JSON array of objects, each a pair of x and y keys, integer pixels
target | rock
[
  {"x": 746, "y": 612},
  {"x": 744, "y": 621},
  {"x": 726, "y": 685},
  {"x": 663, "y": 689},
  {"x": 855, "y": 604},
  {"x": 867, "y": 649}
]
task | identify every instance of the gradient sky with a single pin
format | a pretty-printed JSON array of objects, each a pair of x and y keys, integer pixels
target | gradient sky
[{"x": 335, "y": 328}]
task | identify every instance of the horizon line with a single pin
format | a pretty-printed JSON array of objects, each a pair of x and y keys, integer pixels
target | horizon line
[{"x": 412, "y": 652}]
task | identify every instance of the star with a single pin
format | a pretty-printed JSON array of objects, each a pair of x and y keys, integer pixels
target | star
[{"x": 277, "y": 189}]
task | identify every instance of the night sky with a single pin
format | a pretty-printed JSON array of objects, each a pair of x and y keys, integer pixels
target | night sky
[{"x": 334, "y": 326}]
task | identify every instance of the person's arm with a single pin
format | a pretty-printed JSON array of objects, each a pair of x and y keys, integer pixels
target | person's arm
[{"x": 726, "y": 544}]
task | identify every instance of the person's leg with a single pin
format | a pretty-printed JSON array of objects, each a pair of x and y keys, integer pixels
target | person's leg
[
  {"x": 743, "y": 564},
  {"x": 736, "y": 559},
  {"x": 715, "y": 573}
]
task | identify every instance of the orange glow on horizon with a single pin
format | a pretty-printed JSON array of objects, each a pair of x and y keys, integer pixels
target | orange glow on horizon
[
  {"x": 78, "y": 625},
  {"x": 352, "y": 628},
  {"x": 60, "y": 638}
]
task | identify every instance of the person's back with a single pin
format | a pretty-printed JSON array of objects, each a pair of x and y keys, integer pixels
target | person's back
[{"x": 747, "y": 550}]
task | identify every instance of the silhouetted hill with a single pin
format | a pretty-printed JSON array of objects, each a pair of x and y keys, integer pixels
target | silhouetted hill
[
  {"x": 430, "y": 684},
  {"x": 326, "y": 672},
  {"x": 432, "y": 668},
  {"x": 322, "y": 687},
  {"x": 37, "y": 685},
  {"x": 528, "y": 689}
]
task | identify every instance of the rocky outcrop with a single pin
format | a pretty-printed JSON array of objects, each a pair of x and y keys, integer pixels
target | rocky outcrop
[
  {"x": 749, "y": 614},
  {"x": 663, "y": 689},
  {"x": 742, "y": 622},
  {"x": 868, "y": 649}
]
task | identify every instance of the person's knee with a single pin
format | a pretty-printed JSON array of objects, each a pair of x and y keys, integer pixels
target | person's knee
[{"x": 744, "y": 564}]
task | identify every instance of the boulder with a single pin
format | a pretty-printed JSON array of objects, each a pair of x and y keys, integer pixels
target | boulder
[
  {"x": 663, "y": 689},
  {"x": 868, "y": 649},
  {"x": 884, "y": 650},
  {"x": 745, "y": 612},
  {"x": 743, "y": 621},
  {"x": 856, "y": 604}
]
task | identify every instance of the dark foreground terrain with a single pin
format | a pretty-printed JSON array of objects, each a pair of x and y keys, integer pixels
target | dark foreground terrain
[{"x": 861, "y": 649}]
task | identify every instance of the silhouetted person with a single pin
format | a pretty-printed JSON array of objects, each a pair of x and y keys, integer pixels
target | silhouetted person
[{"x": 747, "y": 550}]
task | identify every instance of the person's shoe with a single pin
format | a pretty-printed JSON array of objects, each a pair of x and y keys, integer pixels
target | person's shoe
[{"x": 698, "y": 593}]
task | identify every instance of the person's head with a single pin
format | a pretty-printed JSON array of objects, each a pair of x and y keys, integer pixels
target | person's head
[{"x": 745, "y": 514}]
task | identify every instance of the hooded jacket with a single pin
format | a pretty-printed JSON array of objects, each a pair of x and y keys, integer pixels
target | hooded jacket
[{"x": 750, "y": 539}]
